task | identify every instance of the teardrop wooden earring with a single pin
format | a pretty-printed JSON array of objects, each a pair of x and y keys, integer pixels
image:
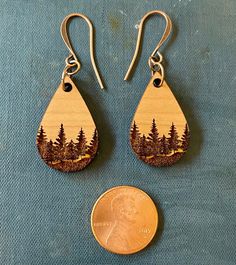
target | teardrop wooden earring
[
  {"x": 159, "y": 133},
  {"x": 67, "y": 139}
]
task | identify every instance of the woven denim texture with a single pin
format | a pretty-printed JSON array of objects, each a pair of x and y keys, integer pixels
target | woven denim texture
[{"x": 45, "y": 214}]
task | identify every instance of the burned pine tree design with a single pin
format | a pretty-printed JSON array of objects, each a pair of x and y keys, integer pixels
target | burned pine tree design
[
  {"x": 66, "y": 155},
  {"x": 159, "y": 150}
]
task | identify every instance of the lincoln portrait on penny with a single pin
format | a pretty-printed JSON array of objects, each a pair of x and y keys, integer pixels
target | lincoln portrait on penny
[{"x": 124, "y": 231}]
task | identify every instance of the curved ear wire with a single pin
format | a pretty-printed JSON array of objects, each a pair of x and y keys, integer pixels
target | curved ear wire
[
  {"x": 72, "y": 60},
  {"x": 165, "y": 35}
]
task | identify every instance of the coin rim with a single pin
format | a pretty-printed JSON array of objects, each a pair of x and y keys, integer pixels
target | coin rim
[{"x": 92, "y": 213}]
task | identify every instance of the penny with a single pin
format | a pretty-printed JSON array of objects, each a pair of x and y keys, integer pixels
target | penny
[{"x": 124, "y": 220}]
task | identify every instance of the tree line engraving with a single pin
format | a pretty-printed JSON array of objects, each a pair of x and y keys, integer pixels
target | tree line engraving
[
  {"x": 159, "y": 150},
  {"x": 67, "y": 155}
]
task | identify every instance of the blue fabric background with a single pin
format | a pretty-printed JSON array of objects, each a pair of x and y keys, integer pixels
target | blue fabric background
[{"x": 45, "y": 214}]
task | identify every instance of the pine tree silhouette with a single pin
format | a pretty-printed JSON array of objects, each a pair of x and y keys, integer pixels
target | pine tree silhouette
[
  {"x": 134, "y": 132},
  {"x": 71, "y": 151},
  {"x": 66, "y": 156},
  {"x": 135, "y": 137},
  {"x": 60, "y": 144},
  {"x": 142, "y": 148},
  {"x": 41, "y": 141},
  {"x": 154, "y": 139},
  {"x": 185, "y": 138},
  {"x": 156, "y": 150},
  {"x": 173, "y": 139},
  {"x": 93, "y": 146},
  {"x": 41, "y": 137},
  {"x": 49, "y": 152},
  {"x": 164, "y": 148},
  {"x": 81, "y": 144}
]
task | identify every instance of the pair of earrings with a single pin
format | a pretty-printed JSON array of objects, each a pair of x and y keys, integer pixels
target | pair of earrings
[{"x": 67, "y": 138}]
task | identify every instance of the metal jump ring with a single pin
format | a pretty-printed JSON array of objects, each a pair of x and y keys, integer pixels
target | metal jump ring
[
  {"x": 160, "y": 69},
  {"x": 68, "y": 66},
  {"x": 156, "y": 59}
]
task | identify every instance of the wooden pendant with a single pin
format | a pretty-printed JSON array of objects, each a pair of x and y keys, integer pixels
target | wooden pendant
[
  {"x": 67, "y": 139},
  {"x": 159, "y": 133}
]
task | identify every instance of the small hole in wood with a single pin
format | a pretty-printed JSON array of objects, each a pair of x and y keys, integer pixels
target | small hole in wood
[
  {"x": 67, "y": 87},
  {"x": 157, "y": 82}
]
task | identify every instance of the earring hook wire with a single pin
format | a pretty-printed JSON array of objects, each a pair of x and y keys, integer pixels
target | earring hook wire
[
  {"x": 152, "y": 61},
  {"x": 72, "y": 60}
]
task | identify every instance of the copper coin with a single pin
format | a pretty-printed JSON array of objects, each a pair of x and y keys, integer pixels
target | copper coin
[{"x": 124, "y": 220}]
